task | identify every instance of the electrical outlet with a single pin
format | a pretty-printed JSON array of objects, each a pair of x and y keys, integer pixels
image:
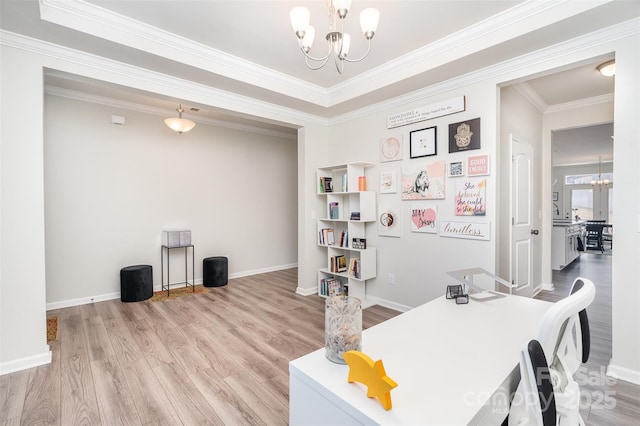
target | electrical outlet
[{"x": 391, "y": 279}]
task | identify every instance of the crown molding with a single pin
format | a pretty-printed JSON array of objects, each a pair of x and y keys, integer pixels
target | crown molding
[
  {"x": 531, "y": 95},
  {"x": 92, "y": 19},
  {"x": 103, "y": 23},
  {"x": 161, "y": 112},
  {"x": 504, "y": 71},
  {"x": 190, "y": 90},
  {"x": 580, "y": 103}
]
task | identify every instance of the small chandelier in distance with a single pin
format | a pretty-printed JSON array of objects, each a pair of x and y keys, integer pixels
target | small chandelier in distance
[
  {"x": 179, "y": 124},
  {"x": 600, "y": 181},
  {"x": 339, "y": 42}
]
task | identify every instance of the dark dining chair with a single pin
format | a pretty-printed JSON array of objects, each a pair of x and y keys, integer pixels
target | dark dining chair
[{"x": 594, "y": 236}]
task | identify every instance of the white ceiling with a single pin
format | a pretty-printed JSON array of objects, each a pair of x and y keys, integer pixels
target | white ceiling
[{"x": 247, "y": 47}]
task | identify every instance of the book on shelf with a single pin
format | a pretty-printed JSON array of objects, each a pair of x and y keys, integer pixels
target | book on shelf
[
  {"x": 344, "y": 239},
  {"x": 334, "y": 210},
  {"x": 331, "y": 286},
  {"x": 342, "y": 263},
  {"x": 326, "y": 184},
  {"x": 354, "y": 268},
  {"x": 344, "y": 183},
  {"x": 326, "y": 237}
]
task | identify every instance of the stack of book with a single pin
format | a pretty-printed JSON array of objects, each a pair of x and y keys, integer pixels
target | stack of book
[
  {"x": 325, "y": 184},
  {"x": 338, "y": 263},
  {"x": 344, "y": 239},
  {"x": 331, "y": 286},
  {"x": 354, "y": 268},
  {"x": 326, "y": 237}
]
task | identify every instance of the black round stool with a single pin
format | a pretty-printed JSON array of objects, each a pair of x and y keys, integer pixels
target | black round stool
[
  {"x": 215, "y": 271},
  {"x": 136, "y": 283}
]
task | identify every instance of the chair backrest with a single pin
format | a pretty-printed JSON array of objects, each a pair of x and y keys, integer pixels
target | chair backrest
[
  {"x": 585, "y": 332},
  {"x": 534, "y": 402},
  {"x": 563, "y": 318}
]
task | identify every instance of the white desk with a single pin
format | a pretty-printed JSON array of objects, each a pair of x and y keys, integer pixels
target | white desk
[{"x": 452, "y": 364}]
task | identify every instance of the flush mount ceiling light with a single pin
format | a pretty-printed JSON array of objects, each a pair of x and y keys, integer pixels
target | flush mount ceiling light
[
  {"x": 338, "y": 41},
  {"x": 608, "y": 69},
  {"x": 179, "y": 124}
]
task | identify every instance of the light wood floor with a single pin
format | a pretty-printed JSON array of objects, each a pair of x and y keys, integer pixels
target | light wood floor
[
  {"x": 213, "y": 358},
  {"x": 220, "y": 357}
]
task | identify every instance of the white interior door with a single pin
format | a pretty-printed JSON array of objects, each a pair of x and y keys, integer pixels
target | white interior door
[{"x": 521, "y": 217}]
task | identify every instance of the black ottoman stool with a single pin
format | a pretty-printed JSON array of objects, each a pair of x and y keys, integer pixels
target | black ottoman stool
[
  {"x": 136, "y": 283},
  {"x": 215, "y": 271}
]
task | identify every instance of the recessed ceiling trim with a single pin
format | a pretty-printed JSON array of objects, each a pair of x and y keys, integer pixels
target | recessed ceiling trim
[
  {"x": 97, "y": 21},
  {"x": 522, "y": 18},
  {"x": 150, "y": 81},
  {"x": 160, "y": 112},
  {"x": 529, "y": 94},
  {"x": 581, "y": 103}
]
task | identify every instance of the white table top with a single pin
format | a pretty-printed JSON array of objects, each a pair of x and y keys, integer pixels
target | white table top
[{"x": 447, "y": 359}]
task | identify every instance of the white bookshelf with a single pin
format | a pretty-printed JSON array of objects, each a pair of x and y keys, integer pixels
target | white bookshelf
[{"x": 347, "y": 197}]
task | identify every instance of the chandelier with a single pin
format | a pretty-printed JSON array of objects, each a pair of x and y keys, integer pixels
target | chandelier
[
  {"x": 338, "y": 41},
  {"x": 600, "y": 181},
  {"x": 179, "y": 124}
]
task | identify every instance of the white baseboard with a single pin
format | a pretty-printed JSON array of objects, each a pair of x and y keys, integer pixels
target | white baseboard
[
  {"x": 110, "y": 296},
  {"x": 623, "y": 373},
  {"x": 388, "y": 304},
  {"x": 548, "y": 287},
  {"x": 306, "y": 291},
  {"x": 24, "y": 363}
]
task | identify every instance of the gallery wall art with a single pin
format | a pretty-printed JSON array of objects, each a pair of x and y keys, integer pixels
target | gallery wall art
[
  {"x": 464, "y": 136},
  {"x": 424, "y": 218},
  {"x": 426, "y": 182},
  {"x": 471, "y": 197}
]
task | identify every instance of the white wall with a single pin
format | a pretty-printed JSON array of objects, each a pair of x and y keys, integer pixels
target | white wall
[
  {"x": 110, "y": 191},
  {"x": 420, "y": 261}
]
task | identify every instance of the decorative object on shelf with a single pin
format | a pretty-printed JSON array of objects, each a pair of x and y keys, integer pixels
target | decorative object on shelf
[
  {"x": 456, "y": 168},
  {"x": 425, "y": 182},
  {"x": 424, "y": 218},
  {"x": 334, "y": 210},
  {"x": 359, "y": 243},
  {"x": 423, "y": 143},
  {"x": 338, "y": 41},
  {"x": 389, "y": 220},
  {"x": 607, "y": 69},
  {"x": 362, "y": 183},
  {"x": 354, "y": 216},
  {"x": 478, "y": 165},
  {"x": 471, "y": 198},
  {"x": 176, "y": 238},
  {"x": 363, "y": 370},
  {"x": 179, "y": 124},
  {"x": 326, "y": 184},
  {"x": 464, "y": 136},
  {"x": 342, "y": 326},
  {"x": 600, "y": 181},
  {"x": 391, "y": 148},
  {"x": 388, "y": 181}
]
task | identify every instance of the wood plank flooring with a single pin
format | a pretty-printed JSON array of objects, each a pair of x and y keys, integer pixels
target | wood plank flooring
[
  {"x": 604, "y": 401},
  {"x": 222, "y": 357}
]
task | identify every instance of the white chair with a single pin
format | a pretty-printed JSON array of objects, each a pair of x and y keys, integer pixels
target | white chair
[
  {"x": 534, "y": 401},
  {"x": 565, "y": 341},
  {"x": 564, "y": 336}
]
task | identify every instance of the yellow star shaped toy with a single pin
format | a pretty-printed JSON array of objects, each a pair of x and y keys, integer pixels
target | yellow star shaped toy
[{"x": 362, "y": 369}]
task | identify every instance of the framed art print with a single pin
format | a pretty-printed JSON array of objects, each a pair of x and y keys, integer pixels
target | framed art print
[
  {"x": 464, "y": 136},
  {"x": 422, "y": 143},
  {"x": 456, "y": 168},
  {"x": 388, "y": 181},
  {"x": 391, "y": 148}
]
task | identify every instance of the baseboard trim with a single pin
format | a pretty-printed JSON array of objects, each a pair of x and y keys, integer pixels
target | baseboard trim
[
  {"x": 623, "y": 373},
  {"x": 388, "y": 304},
  {"x": 306, "y": 291},
  {"x": 110, "y": 296},
  {"x": 24, "y": 363},
  {"x": 548, "y": 287}
]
